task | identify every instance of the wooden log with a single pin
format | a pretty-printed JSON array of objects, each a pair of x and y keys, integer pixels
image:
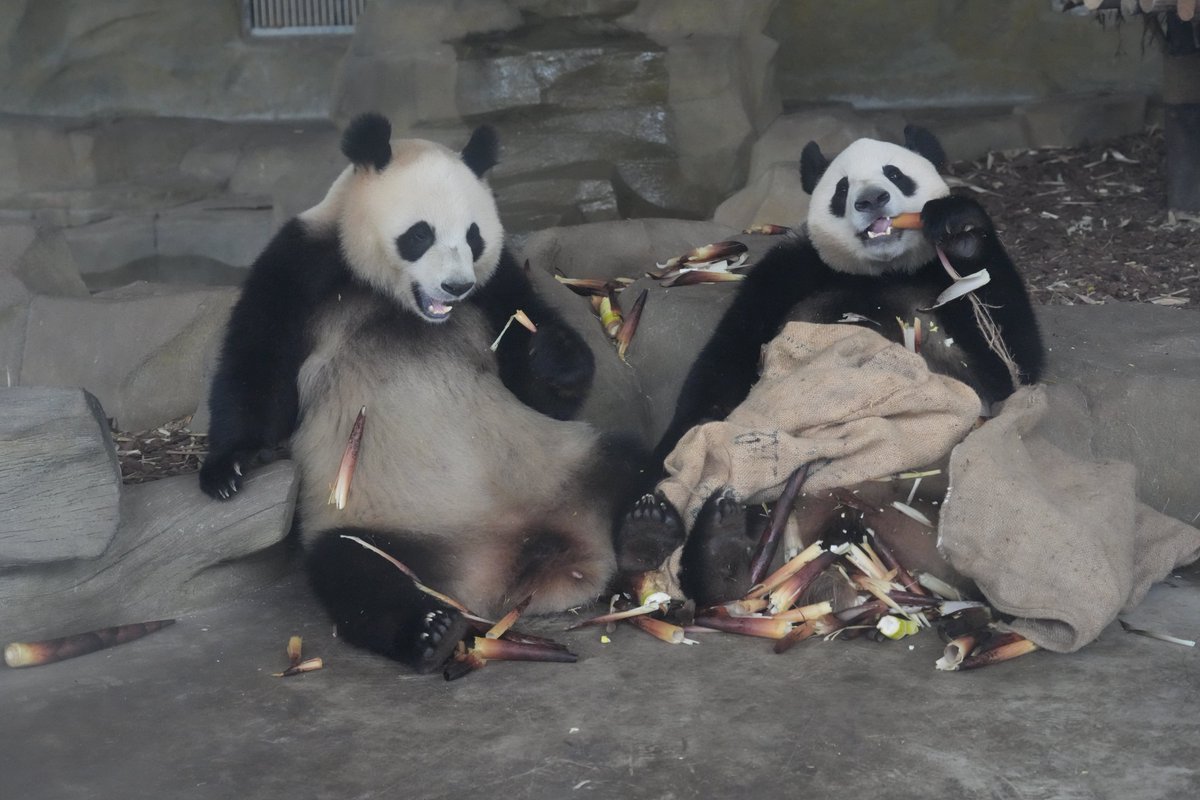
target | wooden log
[{"x": 60, "y": 483}]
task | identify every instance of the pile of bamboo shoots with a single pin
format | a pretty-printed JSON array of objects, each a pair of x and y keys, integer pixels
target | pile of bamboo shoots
[{"x": 887, "y": 602}]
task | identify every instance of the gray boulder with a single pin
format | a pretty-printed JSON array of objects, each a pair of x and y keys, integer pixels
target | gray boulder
[
  {"x": 59, "y": 479},
  {"x": 141, "y": 349},
  {"x": 176, "y": 550}
]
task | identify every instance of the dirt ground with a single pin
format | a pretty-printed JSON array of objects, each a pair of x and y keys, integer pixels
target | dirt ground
[
  {"x": 1089, "y": 224},
  {"x": 1085, "y": 225}
]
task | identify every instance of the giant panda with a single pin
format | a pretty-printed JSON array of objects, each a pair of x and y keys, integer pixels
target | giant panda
[
  {"x": 387, "y": 294},
  {"x": 852, "y": 266}
]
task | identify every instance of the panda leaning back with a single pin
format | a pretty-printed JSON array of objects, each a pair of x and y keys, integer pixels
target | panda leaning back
[{"x": 386, "y": 295}]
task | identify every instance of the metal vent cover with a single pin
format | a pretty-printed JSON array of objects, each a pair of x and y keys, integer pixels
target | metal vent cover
[{"x": 300, "y": 17}]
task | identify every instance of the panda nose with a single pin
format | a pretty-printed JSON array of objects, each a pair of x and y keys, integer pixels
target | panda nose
[
  {"x": 457, "y": 289},
  {"x": 872, "y": 199}
]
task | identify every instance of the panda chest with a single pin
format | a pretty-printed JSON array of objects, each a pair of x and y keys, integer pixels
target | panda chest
[{"x": 365, "y": 354}]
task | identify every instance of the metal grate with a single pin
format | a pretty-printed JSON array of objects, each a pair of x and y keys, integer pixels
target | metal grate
[{"x": 300, "y": 17}]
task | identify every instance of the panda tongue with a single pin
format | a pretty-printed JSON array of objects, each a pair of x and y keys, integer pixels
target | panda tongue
[
  {"x": 881, "y": 225},
  {"x": 440, "y": 309}
]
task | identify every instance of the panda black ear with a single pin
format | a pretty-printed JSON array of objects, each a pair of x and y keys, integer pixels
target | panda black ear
[
  {"x": 482, "y": 151},
  {"x": 812, "y": 166},
  {"x": 367, "y": 141},
  {"x": 924, "y": 143}
]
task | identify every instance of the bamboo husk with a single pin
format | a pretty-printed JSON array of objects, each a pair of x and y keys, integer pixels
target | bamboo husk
[
  {"x": 294, "y": 646},
  {"x": 589, "y": 287},
  {"x": 769, "y": 543},
  {"x": 745, "y": 607},
  {"x": 768, "y": 230},
  {"x": 956, "y": 650},
  {"x": 311, "y": 665},
  {"x": 691, "y": 277},
  {"x": 610, "y": 315},
  {"x": 629, "y": 327},
  {"x": 659, "y": 629},
  {"x": 782, "y": 598},
  {"x": 616, "y": 616},
  {"x": 798, "y": 634},
  {"x": 339, "y": 493},
  {"x": 47, "y": 651},
  {"x": 508, "y": 650},
  {"x": 763, "y": 627},
  {"x": 789, "y": 569},
  {"x": 1002, "y": 647}
]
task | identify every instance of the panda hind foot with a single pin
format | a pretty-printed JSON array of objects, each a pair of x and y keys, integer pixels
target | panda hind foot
[
  {"x": 429, "y": 641},
  {"x": 716, "y": 560},
  {"x": 650, "y": 532}
]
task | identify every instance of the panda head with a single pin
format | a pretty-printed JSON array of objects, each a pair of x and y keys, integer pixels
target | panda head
[
  {"x": 417, "y": 221},
  {"x": 855, "y": 195}
]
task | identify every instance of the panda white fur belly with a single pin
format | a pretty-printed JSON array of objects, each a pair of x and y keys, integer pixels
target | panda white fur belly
[
  {"x": 387, "y": 294},
  {"x": 852, "y": 267},
  {"x": 448, "y": 454}
]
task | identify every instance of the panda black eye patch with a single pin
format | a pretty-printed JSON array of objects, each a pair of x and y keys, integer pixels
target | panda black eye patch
[
  {"x": 474, "y": 241},
  {"x": 903, "y": 182},
  {"x": 837, "y": 204},
  {"x": 413, "y": 243}
]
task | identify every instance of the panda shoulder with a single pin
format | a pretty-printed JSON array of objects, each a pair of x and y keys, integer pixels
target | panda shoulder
[
  {"x": 785, "y": 262},
  {"x": 300, "y": 257}
]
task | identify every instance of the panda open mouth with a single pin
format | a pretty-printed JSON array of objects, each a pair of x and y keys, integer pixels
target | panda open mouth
[
  {"x": 434, "y": 310},
  {"x": 881, "y": 229}
]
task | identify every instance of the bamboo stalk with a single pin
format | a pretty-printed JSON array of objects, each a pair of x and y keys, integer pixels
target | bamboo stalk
[
  {"x": 909, "y": 220},
  {"x": 506, "y": 622},
  {"x": 798, "y": 634},
  {"x": 956, "y": 650},
  {"x": 294, "y": 646},
  {"x": 806, "y": 613},
  {"x": 47, "y": 651},
  {"x": 616, "y": 616}
]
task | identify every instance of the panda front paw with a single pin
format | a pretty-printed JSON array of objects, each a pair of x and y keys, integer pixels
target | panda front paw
[
  {"x": 716, "y": 560},
  {"x": 958, "y": 226},
  {"x": 429, "y": 641},
  {"x": 563, "y": 365},
  {"x": 221, "y": 475},
  {"x": 650, "y": 532}
]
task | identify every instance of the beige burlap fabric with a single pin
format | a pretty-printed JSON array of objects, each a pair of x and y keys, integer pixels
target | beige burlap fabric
[
  {"x": 841, "y": 396},
  {"x": 1059, "y": 542}
]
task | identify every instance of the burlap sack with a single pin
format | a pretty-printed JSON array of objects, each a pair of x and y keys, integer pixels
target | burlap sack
[
  {"x": 1060, "y": 542},
  {"x": 842, "y": 396}
]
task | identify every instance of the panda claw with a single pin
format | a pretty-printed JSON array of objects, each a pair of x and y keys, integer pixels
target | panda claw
[{"x": 440, "y": 632}]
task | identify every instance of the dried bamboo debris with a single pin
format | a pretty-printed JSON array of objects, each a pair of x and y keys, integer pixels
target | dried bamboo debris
[{"x": 34, "y": 654}]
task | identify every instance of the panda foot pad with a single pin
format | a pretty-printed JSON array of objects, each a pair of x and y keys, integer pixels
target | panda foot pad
[
  {"x": 438, "y": 632},
  {"x": 650, "y": 532},
  {"x": 716, "y": 561}
]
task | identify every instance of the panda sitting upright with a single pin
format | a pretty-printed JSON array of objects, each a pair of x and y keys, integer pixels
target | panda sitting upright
[
  {"x": 853, "y": 266},
  {"x": 387, "y": 295}
]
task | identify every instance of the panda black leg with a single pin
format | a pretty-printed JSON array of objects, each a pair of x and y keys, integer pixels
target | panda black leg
[
  {"x": 716, "y": 558},
  {"x": 378, "y": 607},
  {"x": 648, "y": 534}
]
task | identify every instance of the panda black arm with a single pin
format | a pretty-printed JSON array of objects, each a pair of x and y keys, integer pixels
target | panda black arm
[
  {"x": 253, "y": 400},
  {"x": 727, "y": 367},
  {"x": 964, "y": 231},
  {"x": 551, "y": 370}
]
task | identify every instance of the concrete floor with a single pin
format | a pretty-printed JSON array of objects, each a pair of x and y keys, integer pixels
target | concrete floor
[{"x": 192, "y": 712}]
